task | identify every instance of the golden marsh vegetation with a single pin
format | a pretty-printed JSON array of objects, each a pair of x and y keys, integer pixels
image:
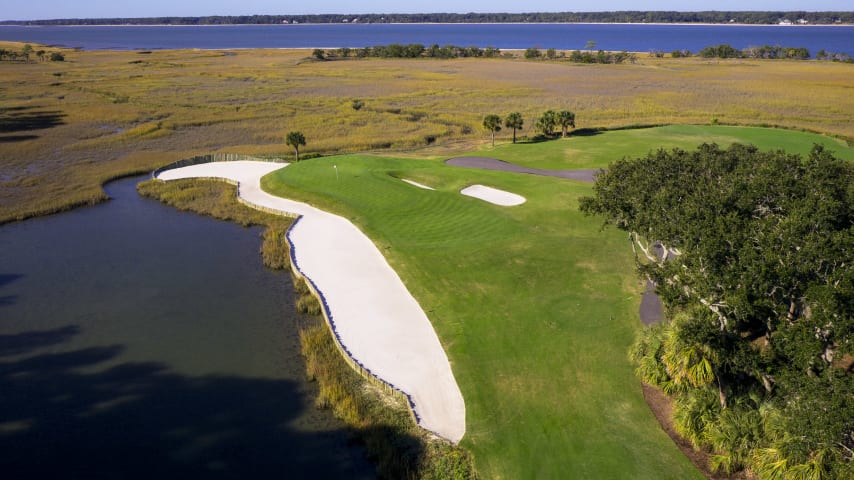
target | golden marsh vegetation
[{"x": 67, "y": 127}]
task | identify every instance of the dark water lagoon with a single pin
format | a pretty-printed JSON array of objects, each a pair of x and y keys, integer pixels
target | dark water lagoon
[
  {"x": 137, "y": 341},
  {"x": 634, "y": 37}
]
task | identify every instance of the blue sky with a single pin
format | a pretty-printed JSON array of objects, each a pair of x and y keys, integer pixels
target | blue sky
[{"x": 45, "y": 9}]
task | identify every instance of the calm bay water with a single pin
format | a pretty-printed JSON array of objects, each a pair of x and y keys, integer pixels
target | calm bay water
[
  {"x": 638, "y": 38},
  {"x": 137, "y": 341}
]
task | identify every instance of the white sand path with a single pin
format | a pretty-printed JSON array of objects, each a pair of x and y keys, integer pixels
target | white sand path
[
  {"x": 493, "y": 195},
  {"x": 374, "y": 315}
]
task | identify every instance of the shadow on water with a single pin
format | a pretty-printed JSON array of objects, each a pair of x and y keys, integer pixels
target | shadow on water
[
  {"x": 20, "y": 343},
  {"x": 151, "y": 343},
  {"x": 63, "y": 415},
  {"x": 6, "y": 279}
]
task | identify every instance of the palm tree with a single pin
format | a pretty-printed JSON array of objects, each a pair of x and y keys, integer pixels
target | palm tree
[
  {"x": 687, "y": 362},
  {"x": 565, "y": 119},
  {"x": 492, "y": 123},
  {"x": 295, "y": 139},
  {"x": 514, "y": 121},
  {"x": 546, "y": 123}
]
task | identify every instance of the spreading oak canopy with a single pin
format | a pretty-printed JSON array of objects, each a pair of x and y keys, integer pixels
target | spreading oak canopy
[{"x": 752, "y": 253}]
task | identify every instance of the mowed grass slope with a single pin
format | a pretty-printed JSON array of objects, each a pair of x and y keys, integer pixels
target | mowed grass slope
[{"x": 534, "y": 304}]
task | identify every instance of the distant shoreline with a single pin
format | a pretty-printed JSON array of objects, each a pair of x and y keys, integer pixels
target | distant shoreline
[
  {"x": 641, "y": 37},
  {"x": 690, "y": 24},
  {"x": 769, "y": 17}
]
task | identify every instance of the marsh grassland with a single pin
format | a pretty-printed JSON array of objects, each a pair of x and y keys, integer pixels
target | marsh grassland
[{"x": 66, "y": 127}]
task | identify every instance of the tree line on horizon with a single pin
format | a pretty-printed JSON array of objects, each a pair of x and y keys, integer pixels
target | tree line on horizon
[
  {"x": 714, "y": 17},
  {"x": 418, "y": 50}
]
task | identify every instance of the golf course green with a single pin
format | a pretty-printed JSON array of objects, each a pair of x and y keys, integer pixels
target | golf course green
[
  {"x": 535, "y": 304},
  {"x": 597, "y": 149}
]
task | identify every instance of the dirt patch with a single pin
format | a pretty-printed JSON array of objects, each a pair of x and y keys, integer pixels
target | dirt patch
[{"x": 486, "y": 163}]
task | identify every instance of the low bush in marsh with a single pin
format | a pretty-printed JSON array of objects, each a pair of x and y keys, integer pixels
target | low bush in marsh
[{"x": 308, "y": 304}]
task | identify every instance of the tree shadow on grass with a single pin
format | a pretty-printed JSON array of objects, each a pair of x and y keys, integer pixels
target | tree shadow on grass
[
  {"x": 539, "y": 138},
  {"x": 24, "y": 119},
  {"x": 580, "y": 132},
  {"x": 586, "y": 132},
  {"x": 70, "y": 415}
]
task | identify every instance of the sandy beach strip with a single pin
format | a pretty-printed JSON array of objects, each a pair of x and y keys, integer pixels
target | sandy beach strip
[{"x": 373, "y": 314}]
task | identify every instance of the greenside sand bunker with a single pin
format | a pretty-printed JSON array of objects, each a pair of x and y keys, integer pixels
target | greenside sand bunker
[{"x": 493, "y": 195}]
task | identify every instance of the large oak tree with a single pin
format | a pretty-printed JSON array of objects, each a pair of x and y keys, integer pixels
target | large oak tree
[{"x": 754, "y": 254}]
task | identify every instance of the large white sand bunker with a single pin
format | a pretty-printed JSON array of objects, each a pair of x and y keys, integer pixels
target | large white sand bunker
[
  {"x": 242, "y": 171},
  {"x": 374, "y": 316},
  {"x": 494, "y": 195}
]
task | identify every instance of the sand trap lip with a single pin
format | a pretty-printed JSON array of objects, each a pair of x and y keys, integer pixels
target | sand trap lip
[
  {"x": 413, "y": 182},
  {"x": 373, "y": 315},
  {"x": 494, "y": 195},
  {"x": 486, "y": 163}
]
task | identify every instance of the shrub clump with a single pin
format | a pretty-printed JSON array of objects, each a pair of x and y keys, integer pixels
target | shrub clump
[{"x": 275, "y": 251}]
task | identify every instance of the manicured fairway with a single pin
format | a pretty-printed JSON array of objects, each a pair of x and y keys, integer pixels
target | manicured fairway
[
  {"x": 596, "y": 151},
  {"x": 534, "y": 304}
]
